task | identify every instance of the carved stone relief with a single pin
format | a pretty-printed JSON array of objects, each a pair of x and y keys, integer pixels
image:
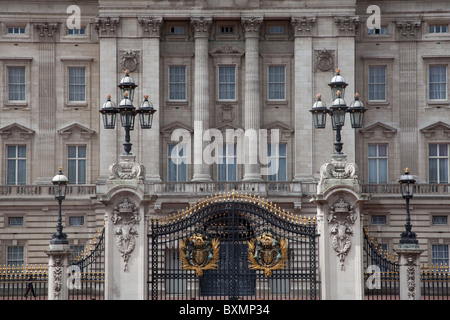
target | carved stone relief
[
  {"x": 323, "y": 60},
  {"x": 126, "y": 219},
  {"x": 341, "y": 217},
  {"x": 129, "y": 60}
]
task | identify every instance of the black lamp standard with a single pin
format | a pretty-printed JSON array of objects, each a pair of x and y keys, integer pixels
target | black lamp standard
[
  {"x": 60, "y": 182},
  {"x": 407, "y": 182},
  {"x": 127, "y": 111},
  {"x": 338, "y": 110}
]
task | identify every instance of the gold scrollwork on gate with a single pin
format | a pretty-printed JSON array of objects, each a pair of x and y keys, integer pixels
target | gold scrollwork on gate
[
  {"x": 199, "y": 252},
  {"x": 267, "y": 252}
]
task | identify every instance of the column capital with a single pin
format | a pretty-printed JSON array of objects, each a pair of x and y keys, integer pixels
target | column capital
[
  {"x": 302, "y": 26},
  {"x": 151, "y": 26},
  {"x": 106, "y": 26},
  {"x": 347, "y": 25},
  {"x": 47, "y": 31},
  {"x": 251, "y": 26},
  {"x": 201, "y": 26}
]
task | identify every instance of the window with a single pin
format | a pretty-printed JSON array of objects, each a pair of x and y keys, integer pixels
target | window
[
  {"x": 277, "y": 82},
  {"x": 378, "y": 163},
  {"x": 276, "y": 29},
  {"x": 16, "y": 30},
  {"x": 437, "y": 82},
  {"x": 277, "y": 158},
  {"x": 177, "y": 83},
  {"x": 177, "y": 30},
  {"x": 177, "y": 169},
  {"x": 227, "y": 30},
  {"x": 15, "y": 255},
  {"x": 378, "y": 220},
  {"x": 381, "y": 31},
  {"x": 438, "y": 163},
  {"x": 16, "y": 165},
  {"x": 76, "y": 164},
  {"x": 76, "y": 31},
  {"x": 439, "y": 254},
  {"x": 377, "y": 83},
  {"x": 15, "y": 221},
  {"x": 77, "y": 84},
  {"x": 438, "y": 29},
  {"x": 16, "y": 83},
  {"x": 227, "y": 83},
  {"x": 76, "y": 221},
  {"x": 227, "y": 163},
  {"x": 439, "y": 220}
]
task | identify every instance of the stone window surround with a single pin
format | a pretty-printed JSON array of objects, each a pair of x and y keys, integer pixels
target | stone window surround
[
  {"x": 68, "y": 62},
  {"x": 16, "y": 62},
  {"x": 386, "y": 61},
  {"x": 168, "y": 61},
  {"x": 428, "y": 61}
]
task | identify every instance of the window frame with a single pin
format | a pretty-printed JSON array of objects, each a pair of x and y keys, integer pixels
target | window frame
[
  {"x": 183, "y": 84},
  {"x": 72, "y": 86},
  {"x": 16, "y": 160},
  {"x": 429, "y": 82},
  {"x": 76, "y": 62},
  {"x": 383, "y": 84},
  {"x": 377, "y": 159},
  {"x": 439, "y": 248},
  {"x": 15, "y": 261},
  {"x": 77, "y": 158},
  {"x": 181, "y": 158},
  {"x": 276, "y": 177},
  {"x": 233, "y": 84},
  {"x": 438, "y": 157},
  {"x": 269, "y": 83},
  {"x": 223, "y": 160}
]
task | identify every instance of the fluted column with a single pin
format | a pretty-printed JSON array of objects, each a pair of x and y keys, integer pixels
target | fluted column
[
  {"x": 201, "y": 28},
  {"x": 46, "y": 134},
  {"x": 251, "y": 27},
  {"x": 303, "y": 82},
  {"x": 150, "y": 68}
]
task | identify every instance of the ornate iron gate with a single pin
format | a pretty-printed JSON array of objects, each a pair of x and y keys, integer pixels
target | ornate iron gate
[{"x": 233, "y": 246}]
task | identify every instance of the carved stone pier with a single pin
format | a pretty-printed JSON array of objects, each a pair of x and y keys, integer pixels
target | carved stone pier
[{"x": 339, "y": 203}]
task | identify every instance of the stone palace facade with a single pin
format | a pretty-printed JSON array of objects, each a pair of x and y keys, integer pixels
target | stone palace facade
[{"x": 233, "y": 66}]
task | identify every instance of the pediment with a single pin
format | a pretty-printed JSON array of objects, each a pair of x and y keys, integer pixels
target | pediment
[
  {"x": 225, "y": 125},
  {"x": 17, "y": 131},
  {"x": 170, "y": 128},
  {"x": 378, "y": 129},
  {"x": 76, "y": 130},
  {"x": 227, "y": 50},
  {"x": 434, "y": 129},
  {"x": 285, "y": 130}
]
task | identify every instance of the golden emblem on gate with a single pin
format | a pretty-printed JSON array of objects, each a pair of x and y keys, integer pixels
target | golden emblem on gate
[
  {"x": 267, "y": 252},
  {"x": 199, "y": 252}
]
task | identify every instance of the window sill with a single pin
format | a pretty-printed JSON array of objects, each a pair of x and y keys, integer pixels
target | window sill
[
  {"x": 379, "y": 104},
  {"x": 438, "y": 104},
  {"x": 22, "y": 105}
]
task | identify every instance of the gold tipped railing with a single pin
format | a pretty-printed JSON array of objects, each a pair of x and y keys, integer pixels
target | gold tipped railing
[{"x": 232, "y": 197}]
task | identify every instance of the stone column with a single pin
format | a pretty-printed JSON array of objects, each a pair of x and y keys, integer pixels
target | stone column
[
  {"x": 46, "y": 135},
  {"x": 408, "y": 109},
  {"x": 150, "y": 68},
  {"x": 201, "y": 28},
  {"x": 303, "y": 83},
  {"x": 109, "y": 142},
  {"x": 57, "y": 271},
  {"x": 251, "y": 27},
  {"x": 339, "y": 203},
  {"x": 409, "y": 271}
]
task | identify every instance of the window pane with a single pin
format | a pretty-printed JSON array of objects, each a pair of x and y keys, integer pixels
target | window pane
[
  {"x": 377, "y": 83},
  {"x": 382, "y": 171},
  {"x": 277, "y": 83},
  {"x": 373, "y": 171},
  {"x": 81, "y": 151},
  {"x": 11, "y": 175},
  {"x": 81, "y": 171},
  {"x": 21, "y": 171},
  {"x": 77, "y": 84},
  {"x": 72, "y": 171},
  {"x": 12, "y": 151},
  {"x": 433, "y": 170},
  {"x": 177, "y": 83},
  {"x": 443, "y": 171},
  {"x": 432, "y": 150},
  {"x": 16, "y": 83},
  {"x": 227, "y": 83},
  {"x": 437, "y": 82}
]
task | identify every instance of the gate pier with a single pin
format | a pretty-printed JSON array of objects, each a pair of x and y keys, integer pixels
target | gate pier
[
  {"x": 339, "y": 224},
  {"x": 126, "y": 204}
]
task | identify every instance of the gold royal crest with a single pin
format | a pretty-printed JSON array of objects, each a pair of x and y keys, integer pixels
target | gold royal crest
[
  {"x": 199, "y": 252},
  {"x": 267, "y": 252}
]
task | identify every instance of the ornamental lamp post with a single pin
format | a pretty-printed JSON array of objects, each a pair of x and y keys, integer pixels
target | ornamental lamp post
[
  {"x": 407, "y": 185},
  {"x": 60, "y": 183},
  {"x": 127, "y": 111},
  {"x": 338, "y": 110}
]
